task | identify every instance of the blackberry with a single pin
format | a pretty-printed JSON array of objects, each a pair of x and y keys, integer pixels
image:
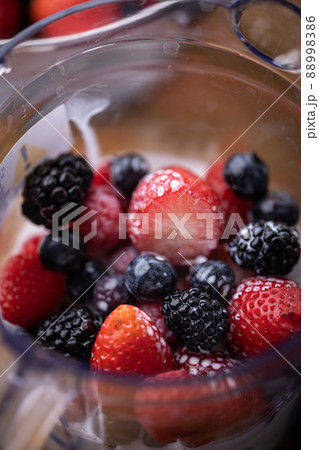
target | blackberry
[
  {"x": 276, "y": 206},
  {"x": 81, "y": 282},
  {"x": 195, "y": 318},
  {"x": 150, "y": 276},
  {"x": 72, "y": 334},
  {"x": 110, "y": 292},
  {"x": 268, "y": 248},
  {"x": 53, "y": 185},
  {"x": 214, "y": 277},
  {"x": 127, "y": 171},
  {"x": 247, "y": 175},
  {"x": 59, "y": 257}
]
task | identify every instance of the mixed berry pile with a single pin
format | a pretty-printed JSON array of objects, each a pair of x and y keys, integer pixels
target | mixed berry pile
[{"x": 157, "y": 303}]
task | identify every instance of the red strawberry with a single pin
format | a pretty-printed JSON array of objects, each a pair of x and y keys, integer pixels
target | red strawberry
[
  {"x": 130, "y": 342},
  {"x": 10, "y": 17},
  {"x": 153, "y": 309},
  {"x": 31, "y": 245},
  {"x": 262, "y": 309},
  {"x": 102, "y": 175},
  {"x": 83, "y": 21},
  {"x": 123, "y": 261},
  {"x": 175, "y": 195},
  {"x": 230, "y": 202},
  {"x": 108, "y": 207},
  {"x": 204, "y": 363},
  {"x": 231, "y": 412},
  {"x": 172, "y": 409},
  {"x": 28, "y": 292},
  {"x": 175, "y": 405}
]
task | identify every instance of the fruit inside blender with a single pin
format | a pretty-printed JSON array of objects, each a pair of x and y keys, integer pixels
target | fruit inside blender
[{"x": 185, "y": 294}]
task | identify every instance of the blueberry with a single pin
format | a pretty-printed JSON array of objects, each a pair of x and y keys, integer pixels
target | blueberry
[
  {"x": 81, "y": 283},
  {"x": 276, "y": 206},
  {"x": 127, "y": 171},
  {"x": 149, "y": 277},
  {"x": 214, "y": 277},
  {"x": 61, "y": 257},
  {"x": 131, "y": 7},
  {"x": 247, "y": 175},
  {"x": 110, "y": 292}
]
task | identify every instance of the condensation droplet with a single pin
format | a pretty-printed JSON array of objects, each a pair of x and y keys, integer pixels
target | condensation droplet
[
  {"x": 171, "y": 48},
  {"x": 59, "y": 91}
]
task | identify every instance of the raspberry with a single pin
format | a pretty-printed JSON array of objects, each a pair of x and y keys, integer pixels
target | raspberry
[
  {"x": 230, "y": 202},
  {"x": 205, "y": 363},
  {"x": 153, "y": 309},
  {"x": 108, "y": 206},
  {"x": 110, "y": 292}
]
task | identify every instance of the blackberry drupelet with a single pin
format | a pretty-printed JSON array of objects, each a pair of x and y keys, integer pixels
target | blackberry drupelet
[
  {"x": 268, "y": 248},
  {"x": 72, "y": 334},
  {"x": 81, "y": 283},
  {"x": 110, "y": 292},
  {"x": 53, "y": 185},
  {"x": 247, "y": 175},
  {"x": 149, "y": 277},
  {"x": 276, "y": 206},
  {"x": 214, "y": 277},
  {"x": 127, "y": 171},
  {"x": 59, "y": 257},
  {"x": 195, "y": 318}
]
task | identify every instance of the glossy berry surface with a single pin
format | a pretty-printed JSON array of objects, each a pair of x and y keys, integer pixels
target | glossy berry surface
[
  {"x": 177, "y": 206},
  {"x": 268, "y": 248},
  {"x": 153, "y": 309},
  {"x": 62, "y": 257},
  {"x": 263, "y": 312},
  {"x": 209, "y": 364},
  {"x": 85, "y": 21},
  {"x": 81, "y": 283},
  {"x": 230, "y": 202},
  {"x": 31, "y": 245},
  {"x": 120, "y": 349},
  {"x": 247, "y": 175},
  {"x": 28, "y": 292},
  {"x": 106, "y": 203},
  {"x": 195, "y": 318},
  {"x": 53, "y": 185},
  {"x": 276, "y": 206},
  {"x": 214, "y": 277},
  {"x": 150, "y": 276},
  {"x": 72, "y": 333},
  {"x": 110, "y": 292},
  {"x": 127, "y": 171}
]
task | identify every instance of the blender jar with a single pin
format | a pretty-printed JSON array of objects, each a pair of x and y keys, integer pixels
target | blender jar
[{"x": 178, "y": 82}]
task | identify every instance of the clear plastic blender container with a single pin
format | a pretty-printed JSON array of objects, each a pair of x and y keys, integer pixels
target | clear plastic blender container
[{"x": 181, "y": 81}]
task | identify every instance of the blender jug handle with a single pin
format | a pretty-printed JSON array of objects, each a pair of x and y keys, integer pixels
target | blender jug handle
[{"x": 30, "y": 406}]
